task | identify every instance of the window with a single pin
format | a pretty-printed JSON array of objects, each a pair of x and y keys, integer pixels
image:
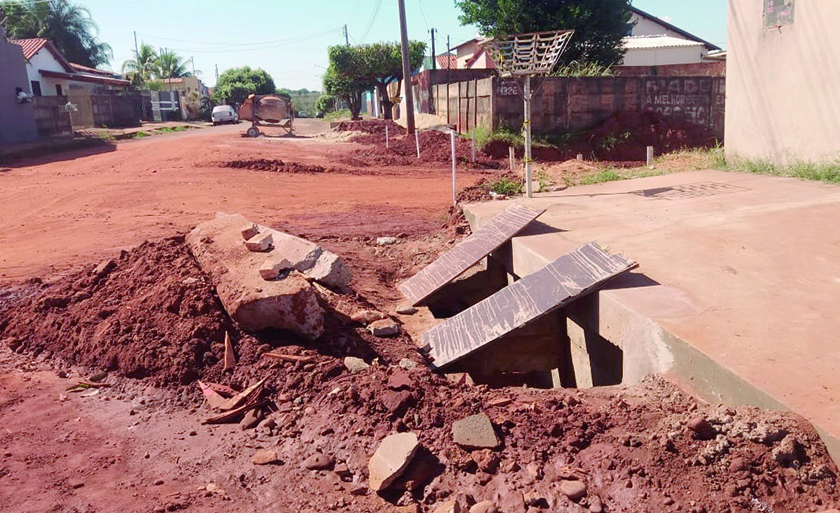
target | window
[
  {"x": 778, "y": 13},
  {"x": 36, "y": 88},
  {"x": 58, "y": 90}
]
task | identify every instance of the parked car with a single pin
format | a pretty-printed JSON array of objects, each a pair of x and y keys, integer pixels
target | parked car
[{"x": 224, "y": 114}]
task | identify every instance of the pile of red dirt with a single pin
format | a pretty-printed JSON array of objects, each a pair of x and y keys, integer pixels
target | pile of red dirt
[
  {"x": 435, "y": 148},
  {"x": 480, "y": 191},
  {"x": 374, "y": 130},
  {"x": 278, "y": 166}
]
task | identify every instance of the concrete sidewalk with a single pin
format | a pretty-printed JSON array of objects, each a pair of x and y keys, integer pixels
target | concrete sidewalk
[{"x": 743, "y": 307}]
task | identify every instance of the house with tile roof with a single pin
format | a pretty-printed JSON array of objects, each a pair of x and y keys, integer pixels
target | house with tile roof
[{"x": 51, "y": 74}]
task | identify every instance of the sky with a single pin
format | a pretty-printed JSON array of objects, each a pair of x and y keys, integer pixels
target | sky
[{"x": 289, "y": 38}]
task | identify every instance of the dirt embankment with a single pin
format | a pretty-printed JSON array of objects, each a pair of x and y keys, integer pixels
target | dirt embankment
[{"x": 151, "y": 315}]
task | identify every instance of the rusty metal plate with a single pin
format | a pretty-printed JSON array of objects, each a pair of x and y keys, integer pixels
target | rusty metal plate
[
  {"x": 454, "y": 262},
  {"x": 561, "y": 282}
]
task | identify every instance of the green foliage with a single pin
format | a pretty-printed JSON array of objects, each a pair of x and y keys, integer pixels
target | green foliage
[
  {"x": 506, "y": 186},
  {"x": 325, "y": 104},
  {"x": 825, "y": 171},
  {"x": 578, "y": 70},
  {"x": 599, "y": 25},
  {"x": 69, "y": 26},
  {"x": 236, "y": 84},
  {"x": 356, "y": 69},
  {"x": 603, "y": 175},
  {"x": 337, "y": 115},
  {"x": 170, "y": 65},
  {"x": 142, "y": 67},
  {"x": 303, "y": 100}
]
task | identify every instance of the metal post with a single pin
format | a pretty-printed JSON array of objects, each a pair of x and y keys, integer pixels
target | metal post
[
  {"x": 454, "y": 182},
  {"x": 417, "y": 142},
  {"x": 512, "y": 154},
  {"x": 650, "y": 156},
  {"x": 434, "y": 57},
  {"x": 473, "y": 146},
  {"x": 406, "y": 68},
  {"x": 387, "y": 138},
  {"x": 528, "y": 185}
]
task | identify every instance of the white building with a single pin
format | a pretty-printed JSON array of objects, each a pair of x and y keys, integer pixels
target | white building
[{"x": 51, "y": 74}]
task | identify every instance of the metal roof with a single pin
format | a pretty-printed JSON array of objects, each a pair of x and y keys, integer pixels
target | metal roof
[{"x": 674, "y": 28}]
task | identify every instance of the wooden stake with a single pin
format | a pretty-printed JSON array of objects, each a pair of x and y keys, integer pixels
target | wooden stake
[{"x": 512, "y": 154}]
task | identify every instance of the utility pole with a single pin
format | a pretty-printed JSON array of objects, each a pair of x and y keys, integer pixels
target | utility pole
[
  {"x": 346, "y": 35},
  {"x": 434, "y": 55},
  {"x": 136, "y": 50},
  {"x": 409, "y": 98},
  {"x": 217, "y": 73},
  {"x": 192, "y": 61}
]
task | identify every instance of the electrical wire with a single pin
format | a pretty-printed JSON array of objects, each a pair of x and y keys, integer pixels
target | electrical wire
[
  {"x": 260, "y": 47},
  {"x": 372, "y": 19}
]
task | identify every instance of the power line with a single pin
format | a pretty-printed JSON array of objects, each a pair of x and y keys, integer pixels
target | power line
[
  {"x": 423, "y": 13},
  {"x": 372, "y": 19},
  {"x": 261, "y": 47}
]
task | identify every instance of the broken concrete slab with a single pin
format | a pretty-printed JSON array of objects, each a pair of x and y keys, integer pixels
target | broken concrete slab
[
  {"x": 384, "y": 328},
  {"x": 355, "y": 364},
  {"x": 563, "y": 281},
  {"x": 475, "y": 432},
  {"x": 290, "y": 304},
  {"x": 250, "y": 231},
  {"x": 454, "y": 262},
  {"x": 273, "y": 266},
  {"x": 391, "y": 459},
  {"x": 260, "y": 243}
]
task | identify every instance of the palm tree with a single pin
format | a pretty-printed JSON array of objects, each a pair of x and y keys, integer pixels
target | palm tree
[
  {"x": 69, "y": 26},
  {"x": 142, "y": 66},
  {"x": 171, "y": 65}
]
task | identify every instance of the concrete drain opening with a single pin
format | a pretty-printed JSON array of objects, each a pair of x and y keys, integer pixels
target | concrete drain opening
[{"x": 502, "y": 331}]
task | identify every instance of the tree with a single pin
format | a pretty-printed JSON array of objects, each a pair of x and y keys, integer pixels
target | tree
[
  {"x": 347, "y": 88},
  {"x": 599, "y": 25},
  {"x": 142, "y": 67},
  {"x": 69, "y": 26},
  {"x": 236, "y": 84},
  {"x": 374, "y": 65},
  {"x": 325, "y": 103},
  {"x": 170, "y": 65}
]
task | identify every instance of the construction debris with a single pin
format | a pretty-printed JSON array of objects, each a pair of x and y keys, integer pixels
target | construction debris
[
  {"x": 230, "y": 357},
  {"x": 260, "y": 243},
  {"x": 475, "y": 432},
  {"x": 391, "y": 459}
]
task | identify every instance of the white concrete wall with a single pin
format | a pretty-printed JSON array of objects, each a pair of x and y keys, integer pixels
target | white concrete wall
[
  {"x": 646, "y": 27},
  {"x": 44, "y": 60},
  {"x": 665, "y": 56},
  {"x": 465, "y": 53},
  {"x": 783, "y": 98}
]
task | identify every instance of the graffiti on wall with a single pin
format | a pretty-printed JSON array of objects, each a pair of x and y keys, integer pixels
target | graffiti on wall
[{"x": 689, "y": 99}]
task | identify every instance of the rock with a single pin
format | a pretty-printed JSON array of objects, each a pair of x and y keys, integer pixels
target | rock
[
  {"x": 104, "y": 268},
  {"x": 268, "y": 423},
  {"x": 595, "y": 505},
  {"x": 354, "y": 364},
  {"x": 384, "y": 328},
  {"x": 450, "y": 506},
  {"x": 366, "y": 317},
  {"x": 701, "y": 428},
  {"x": 391, "y": 459},
  {"x": 386, "y": 241},
  {"x": 273, "y": 266},
  {"x": 475, "y": 432},
  {"x": 787, "y": 452},
  {"x": 407, "y": 364},
  {"x": 393, "y": 401},
  {"x": 400, "y": 380},
  {"x": 487, "y": 461},
  {"x": 342, "y": 470},
  {"x": 318, "y": 461},
  {"x": 265, "y": 457},
  {"x": 406, "y": 310},
  {"x": 331, "y": 270},
  {"x": 250, "y": 231},
  {"x": 251, "y": 419},
  {"x": 409, "y": 508},
  {"x": 484, "y": 507},
  {"x": 99, "y": 376},
  {"x": 574, "y": 490},
  {"x": 260, "y": 243},
  {"x": 158, "y": 482}
]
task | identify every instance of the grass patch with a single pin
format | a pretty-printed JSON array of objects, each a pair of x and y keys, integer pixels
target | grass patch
[
  {"x": 826, "y": 171},
  {"x": 506, "y": 186},
  {"x": 172, "y": 129},
  {"x": 140, "y": 134},
  {"x": 693, "y": 158},
  {"x": 338, "y": 115}
]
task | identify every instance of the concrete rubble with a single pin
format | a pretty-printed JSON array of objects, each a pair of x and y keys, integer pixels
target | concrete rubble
[
  {"x": 475, "y": 432},
  {"x": 391, "y": 459}
]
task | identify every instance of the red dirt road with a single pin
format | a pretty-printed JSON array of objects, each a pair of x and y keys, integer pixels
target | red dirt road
[{"x": 80, "y": 206}]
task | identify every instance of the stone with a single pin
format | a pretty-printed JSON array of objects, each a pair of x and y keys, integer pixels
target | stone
[
  {"x": 250, "y": 231},
  {"x": 595, "y": 505},
  {"x": 104, "y": 268},
  {"x": 366, "y": 317},
  {"x": 391, "y": 459},
  {"x": 574, "y": 490},
  {"x": 701, "y": 428},
  {"x": 393, "y": 401},
  {"x": 99, "y": 376},
  {"x": 484, "y": 507},
  {"x": 450, "y": 506},
  {"x": 342, "y": 470},
  {"x": 407, "y": 364},
  {"x": 265, "y": 457},
  {"x": 260, "y": 243},
  {"x": 318, "y": 461},
  {"x": 355, "y": 364},
  {"x": 406, "y": 310},
  {"x": 487, "y": 461},
  {"x": 273, "y": 266},
  {"x": 409, "y": 508},
  {"x": 268, "y": 423},
  {"x": 384, "y": 328},
  {"x": 331, "y": 270},
  {"x": 475, "y": 432},
  {"x": 386, "y": 241},
  {"x": 400, "y": 380},
  {"x": 251, "y": 419},
  {"x": 290, "y": 304},
  {"x": 787, "y": 452}
]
